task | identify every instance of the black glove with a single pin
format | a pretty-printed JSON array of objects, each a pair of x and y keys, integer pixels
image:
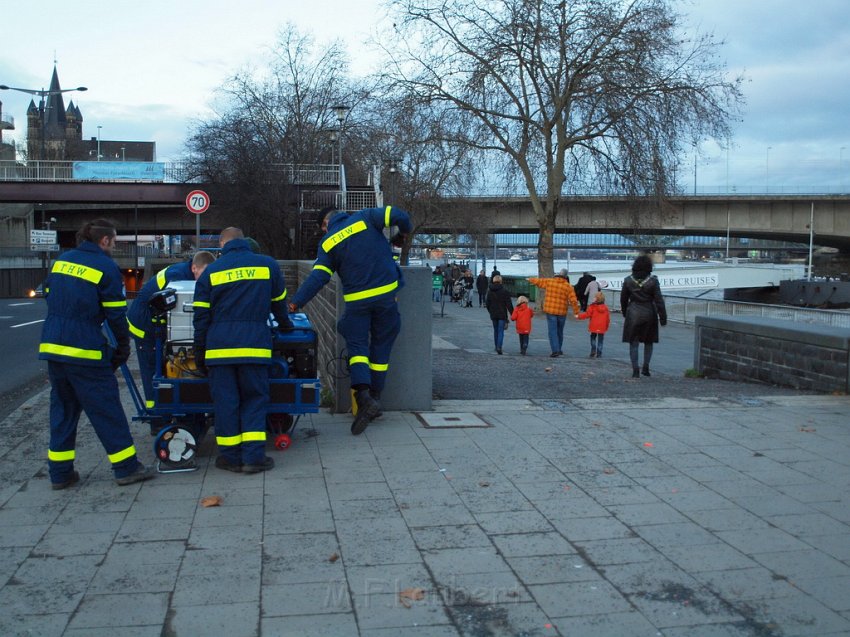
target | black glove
[
  {"x": 201, "y": 361},
  {"x": 398, "y": 239},
  {"x": 663, "y": 322},
  {"x": 120, "y": 355}
]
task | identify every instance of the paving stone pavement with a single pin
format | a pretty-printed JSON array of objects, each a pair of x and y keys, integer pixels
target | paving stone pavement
[{"x": 679, "y": 514}]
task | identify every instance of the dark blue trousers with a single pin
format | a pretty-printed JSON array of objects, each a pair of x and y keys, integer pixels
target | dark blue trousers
[
  {"x": 369, "y": 330},
  {"x": 240, "y": 396},
  {"x": 79, "y": 388}
]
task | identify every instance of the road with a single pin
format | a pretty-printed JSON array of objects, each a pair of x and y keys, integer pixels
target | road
[{"x": 21, "y": 372}]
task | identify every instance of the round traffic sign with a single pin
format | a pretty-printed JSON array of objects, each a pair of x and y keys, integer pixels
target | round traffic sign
[{"x": 197, "y": 201}]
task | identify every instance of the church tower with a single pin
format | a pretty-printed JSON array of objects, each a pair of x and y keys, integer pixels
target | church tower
[{"x": 50, "y": 126}]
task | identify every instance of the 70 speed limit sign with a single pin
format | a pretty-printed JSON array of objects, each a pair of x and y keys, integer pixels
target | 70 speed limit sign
[{"x": 197, "y": 201}]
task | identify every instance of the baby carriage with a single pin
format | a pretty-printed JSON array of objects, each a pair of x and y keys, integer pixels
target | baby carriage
[{"x": 457, "y": 291}]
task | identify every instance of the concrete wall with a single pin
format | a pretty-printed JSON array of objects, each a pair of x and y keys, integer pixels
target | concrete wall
[
  {"x": 803, "y": 356},
  {"x": 409, "y": 380}
]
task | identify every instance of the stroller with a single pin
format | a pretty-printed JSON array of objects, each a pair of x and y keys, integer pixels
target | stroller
[
  {"x": 465, "y": 294},
  {"x": 457, "y": 291}
]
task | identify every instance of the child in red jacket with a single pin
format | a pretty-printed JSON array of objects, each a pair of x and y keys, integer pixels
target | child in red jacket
[
  {"x": 522, "y": 315},
  {"x": 600, "y": 320}
]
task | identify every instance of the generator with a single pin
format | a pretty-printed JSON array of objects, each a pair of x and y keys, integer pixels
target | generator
[{"x": 182, "y": 393}]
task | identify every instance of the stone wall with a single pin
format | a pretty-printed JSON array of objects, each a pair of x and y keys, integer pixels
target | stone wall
[{"x": 802, "y": 356}]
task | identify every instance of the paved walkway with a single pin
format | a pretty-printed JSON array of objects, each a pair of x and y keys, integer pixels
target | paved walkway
[{"x": 687, "y": 514}]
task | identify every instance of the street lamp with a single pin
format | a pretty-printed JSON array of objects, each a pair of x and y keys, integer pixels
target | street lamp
[
  {"x": 98, "y": 142},
  {"x": 43, "y": 95},
  {"x": 841, "y": 165},
  {"x": 767, "y": 169},
  {"x": 340, "y": 110}
]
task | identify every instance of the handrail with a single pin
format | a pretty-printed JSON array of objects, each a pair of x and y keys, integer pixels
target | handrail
[{"x": 684, "y": 309}]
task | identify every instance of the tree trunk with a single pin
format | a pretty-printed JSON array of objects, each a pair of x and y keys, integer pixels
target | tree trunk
[{"x": 545, "y": 252}]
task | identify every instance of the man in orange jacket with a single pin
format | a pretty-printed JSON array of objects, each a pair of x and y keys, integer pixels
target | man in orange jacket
[{"x": 559, "y": 293}]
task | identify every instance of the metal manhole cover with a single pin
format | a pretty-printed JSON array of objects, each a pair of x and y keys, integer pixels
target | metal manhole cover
[{"x": 451, "y": 420}]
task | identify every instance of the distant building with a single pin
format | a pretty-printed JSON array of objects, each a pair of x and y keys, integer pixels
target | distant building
[
  {"x": 7, "y": 151},
  {"x": 56, "y": 133}
]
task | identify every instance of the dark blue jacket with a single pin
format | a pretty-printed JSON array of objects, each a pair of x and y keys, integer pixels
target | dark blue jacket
[
  {"x": 357, "y": 250},
  {"x": 139, "y": 315},
  {"x": 232, "y": 301},
  {"x": 84, "y": 289}
]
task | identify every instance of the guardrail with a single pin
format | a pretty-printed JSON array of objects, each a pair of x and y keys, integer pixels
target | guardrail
[{"x": 684, "y": 309}]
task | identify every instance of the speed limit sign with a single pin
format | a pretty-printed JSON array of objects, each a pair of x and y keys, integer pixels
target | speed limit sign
[{"x": 197, "y": 201}]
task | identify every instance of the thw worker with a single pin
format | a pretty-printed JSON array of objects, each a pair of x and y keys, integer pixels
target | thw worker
[
  {"x": 355, "y": 248},
  {"x": 83, "y": 290},
  {"x": 233, "y": 298}
]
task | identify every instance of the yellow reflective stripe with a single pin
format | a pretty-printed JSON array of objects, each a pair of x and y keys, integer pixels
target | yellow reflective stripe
[
  {"x": 60, "y": 456},
  {"x": 358, "y": 359},
  {"x": 367, "y": 294},
  {"x": 135, "y": 331},
  {"x": 253, "y": 436},
  {"x": 73, "y": 352},
  {"x": 239, "y": 352},
  {"x": 117, "y": 457},
  {"x": 279, "y": 298},
  {"x": 379, "y": 367},
  {"x": 150, "y": 403},
  {"x": 80, "y": 271},
  {"x": 387, "y": 216},
  {"x": 114, "y": 303},
  {"x": 200, "y": 304},
  {"x": 160, "y": 278},
  {"x": 228, "y": 441},
  {"x": 239, "y": 274},
  {"x": 321, "y": 267},
  {"x": 334, "y": 240}
]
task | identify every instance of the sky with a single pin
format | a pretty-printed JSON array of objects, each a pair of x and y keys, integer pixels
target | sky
[{"x": 153, "y": 68}]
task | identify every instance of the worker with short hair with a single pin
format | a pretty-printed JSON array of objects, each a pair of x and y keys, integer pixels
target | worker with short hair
[
  {"x": 83, "y": 290},
  {"x": 233, "y": 344},
  {"x": 145, "y": 328},
  {"x": 355, "y": 247}
]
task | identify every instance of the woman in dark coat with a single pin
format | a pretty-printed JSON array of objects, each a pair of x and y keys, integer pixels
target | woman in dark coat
[
  {"x": 643, "y": 308},
  {"x": 500, "y": 308}
]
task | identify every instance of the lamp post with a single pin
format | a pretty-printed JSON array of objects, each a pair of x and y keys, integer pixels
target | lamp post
[
  {"x": 767, "y": 169},
  {"x": 43, "y": 95},
  {"x": 841, "y": 166},
  {"x": 340, "y": 110},
  {"x": 98, "y": 141}
]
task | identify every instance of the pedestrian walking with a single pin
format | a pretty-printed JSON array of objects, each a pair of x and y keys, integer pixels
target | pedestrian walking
[
  {"x": 355, "y": 248},
  {"x": 558, "y": 295},
  {"x": 481, "y": 285},
  {"x": 83, "y": 290},
  {"x": 643, "y": 308},
  {"x": 600, "y": 321},
  {"x": 500, "y": 309},
  {"x": 522, "y": 316},
  {"x": 233, "y": 346},
  {"x": 581, "y": 290}
]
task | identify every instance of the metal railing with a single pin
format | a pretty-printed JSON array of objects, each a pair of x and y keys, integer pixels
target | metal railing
[{"x": 684, "y": 309}]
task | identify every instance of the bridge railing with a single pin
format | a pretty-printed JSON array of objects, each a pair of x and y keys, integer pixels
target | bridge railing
[{"x": 684, "y": 309}]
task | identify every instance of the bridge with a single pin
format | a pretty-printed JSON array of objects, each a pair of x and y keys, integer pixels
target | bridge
[{"x": 159, "y": 208}]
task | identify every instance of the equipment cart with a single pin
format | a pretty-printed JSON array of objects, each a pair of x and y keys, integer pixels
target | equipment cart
[{"x": 182, "y": 395}]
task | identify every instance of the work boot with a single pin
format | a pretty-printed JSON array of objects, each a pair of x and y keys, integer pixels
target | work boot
[
  {"x": 223, "y": 463},
  {"x": 72, "y": 479},
  {"x": 635, "y": 372},
  {"x": 266, "y": 465},
  {"x": 367, "y": 411},
  {"x": 645, "y": 371},
  {"x": 140, "y": 474},
  {"x": 376, "y": 396}
]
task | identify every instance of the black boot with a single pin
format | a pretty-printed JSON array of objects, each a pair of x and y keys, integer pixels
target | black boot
[
  {"x": 376, "y": 396},
  {"x": 635, "y": 372},
  {"x": 645, "y": 371},
  {"x": 367, "y": 410}
]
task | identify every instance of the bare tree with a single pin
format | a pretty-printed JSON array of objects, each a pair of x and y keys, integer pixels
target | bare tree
[
  {"x": 575, "y": 96},
  {"x": 267, "y": 120}
]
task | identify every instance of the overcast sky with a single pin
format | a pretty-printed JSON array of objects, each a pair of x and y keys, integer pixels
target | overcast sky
[{"x": 151, "y": 67}]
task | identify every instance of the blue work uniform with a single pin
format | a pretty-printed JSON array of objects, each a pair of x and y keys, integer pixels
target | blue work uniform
[
  {"x": 357, "y": 250},
  {"x": 232, "y": 301},
  {"x": 145, "y": 328},
  {"x": 84, "y": 289}
]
